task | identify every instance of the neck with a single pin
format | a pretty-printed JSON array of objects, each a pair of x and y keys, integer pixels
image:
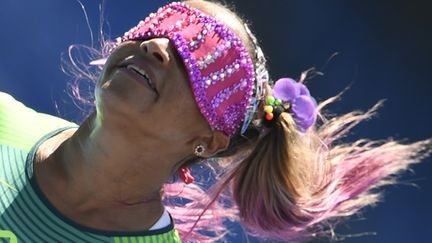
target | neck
[{"x": 98, "y": 170}]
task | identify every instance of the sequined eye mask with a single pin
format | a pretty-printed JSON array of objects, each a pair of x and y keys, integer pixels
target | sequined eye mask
[{"x": 220, "y": 69}]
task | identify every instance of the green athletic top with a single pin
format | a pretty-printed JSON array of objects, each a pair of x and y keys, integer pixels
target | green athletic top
[{"x": 25, "y": 213}]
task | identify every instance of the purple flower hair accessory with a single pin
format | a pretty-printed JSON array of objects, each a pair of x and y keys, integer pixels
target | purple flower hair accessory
[{"x": 302, "y": 104}]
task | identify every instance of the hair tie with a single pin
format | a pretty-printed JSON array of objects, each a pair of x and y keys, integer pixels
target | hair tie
[{"x": 293, "y": 97}]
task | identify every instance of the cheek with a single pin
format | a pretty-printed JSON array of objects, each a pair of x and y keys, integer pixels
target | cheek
[
  {"x": 183, "y": 112},
  {"x": 193, "y": 120},
  {"x": 182, "y": 109}
]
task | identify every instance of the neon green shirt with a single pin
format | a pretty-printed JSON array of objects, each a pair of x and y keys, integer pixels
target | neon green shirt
[{"x": 25, "y": 213}]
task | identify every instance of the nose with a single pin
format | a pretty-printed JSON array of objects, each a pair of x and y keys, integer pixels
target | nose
[{"x": 157, "y": 49}]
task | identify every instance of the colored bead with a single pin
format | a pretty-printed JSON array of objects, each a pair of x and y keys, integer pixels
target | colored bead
[
  {"x": 268, "y": 108},
  {"x": 270, "y": 100},
  {"x": 269, "y": 116},
  {"x": 278, "y": 102}
]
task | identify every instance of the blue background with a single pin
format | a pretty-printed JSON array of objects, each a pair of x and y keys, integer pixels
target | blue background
[{"x": 384, "y": 49}]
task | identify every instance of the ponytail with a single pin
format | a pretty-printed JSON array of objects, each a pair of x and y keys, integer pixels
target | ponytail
[
  {"x": 271, "y": 183},
  {"x": 293, "y": 184}
]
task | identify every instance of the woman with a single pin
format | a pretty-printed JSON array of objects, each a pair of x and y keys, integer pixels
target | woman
[{"x": 187, "y": 84}]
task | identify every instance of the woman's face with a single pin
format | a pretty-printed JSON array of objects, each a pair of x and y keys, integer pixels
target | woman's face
[{"x": 144, "y": 91}]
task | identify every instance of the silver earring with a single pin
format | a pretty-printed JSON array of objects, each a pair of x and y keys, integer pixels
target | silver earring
[{"x": 199, "y": 150}]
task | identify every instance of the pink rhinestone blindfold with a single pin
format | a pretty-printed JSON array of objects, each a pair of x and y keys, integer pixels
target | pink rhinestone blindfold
[{"x": 220, "y": 69}]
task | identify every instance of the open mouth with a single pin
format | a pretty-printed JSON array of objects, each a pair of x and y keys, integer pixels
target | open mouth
[{"x": 141, "y": 72}]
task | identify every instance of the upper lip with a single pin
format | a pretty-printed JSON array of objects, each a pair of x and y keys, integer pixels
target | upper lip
[{"x": 142, "y": 65}]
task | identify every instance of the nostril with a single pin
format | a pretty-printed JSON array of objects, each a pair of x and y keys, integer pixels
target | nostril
[
  {"x": 145, "y": 48},
  {"x": 158, "y": 56}
]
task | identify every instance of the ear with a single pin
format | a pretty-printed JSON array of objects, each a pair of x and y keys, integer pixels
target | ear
[{"x": 215, "y": 144}]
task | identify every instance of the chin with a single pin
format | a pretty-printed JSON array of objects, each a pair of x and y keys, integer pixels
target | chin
[{"x": 119, "y": 105}]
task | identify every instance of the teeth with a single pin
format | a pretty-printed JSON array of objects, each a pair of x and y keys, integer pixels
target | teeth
[{"x": 140, "y": 72}]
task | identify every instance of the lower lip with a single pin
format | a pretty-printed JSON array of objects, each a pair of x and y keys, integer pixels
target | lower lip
[{"x": 133, "y": 75}]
